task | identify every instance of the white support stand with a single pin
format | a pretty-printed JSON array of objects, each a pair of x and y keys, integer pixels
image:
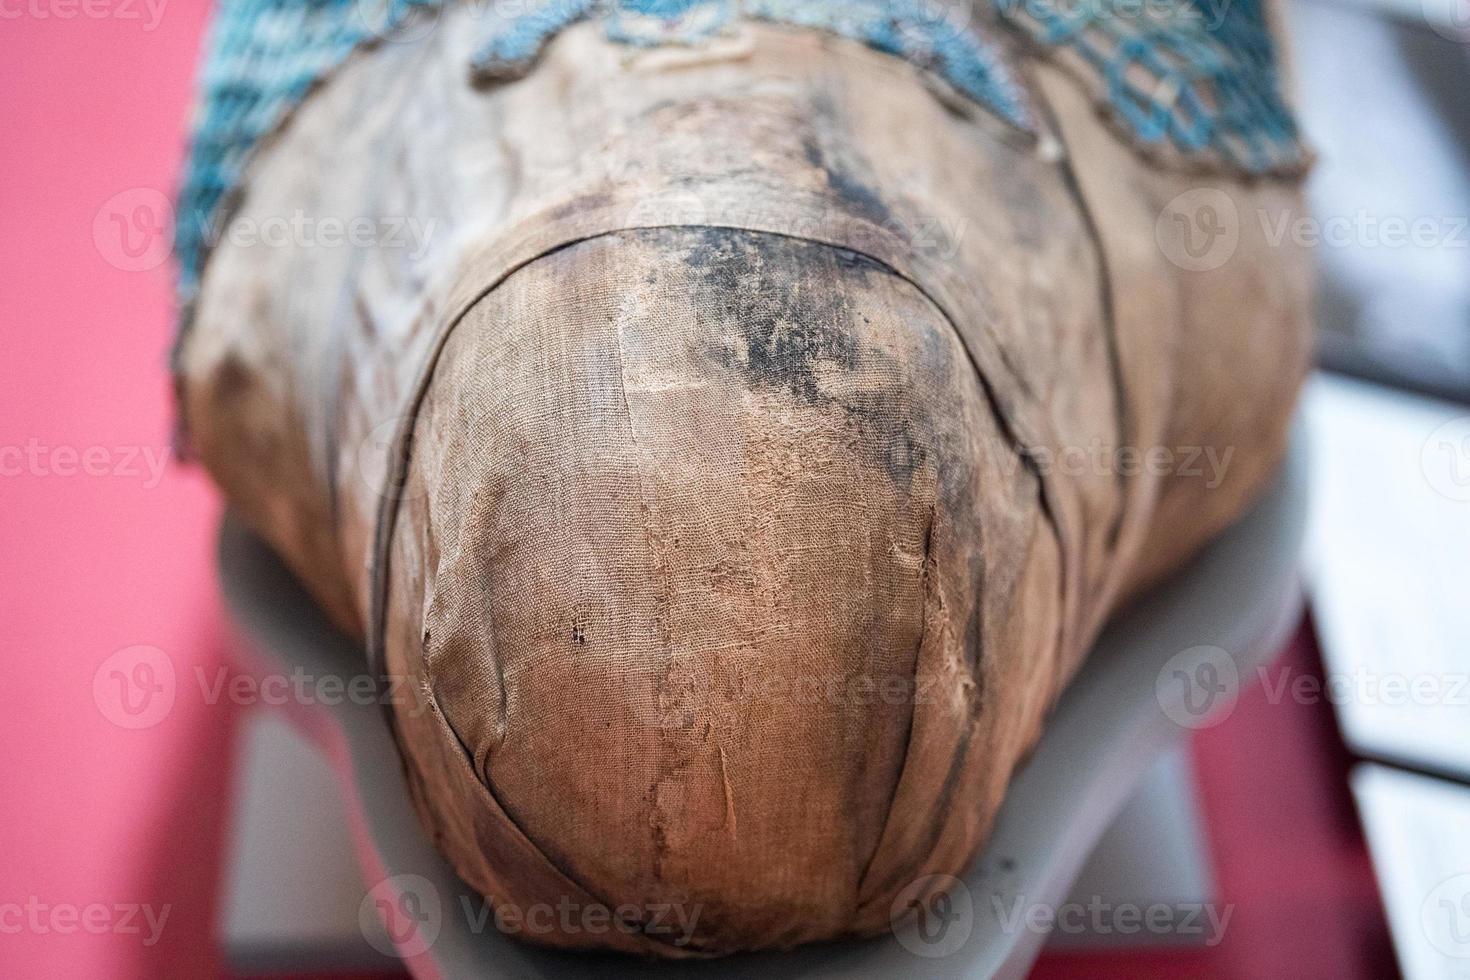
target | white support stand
[{"x": 1127, "y": 714}]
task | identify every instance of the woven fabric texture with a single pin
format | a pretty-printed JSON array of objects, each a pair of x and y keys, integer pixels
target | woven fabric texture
[
  {"x": 744, "y": 455},
  {"x": 1195, "y": 76}
]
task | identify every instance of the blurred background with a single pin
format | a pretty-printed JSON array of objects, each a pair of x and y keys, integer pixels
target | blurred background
[{"x": 1331, "y": 802}]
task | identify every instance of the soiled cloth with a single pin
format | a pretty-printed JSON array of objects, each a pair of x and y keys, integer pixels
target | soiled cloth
[
  {"x": 1196, "y": 78},
  {"x": 742, "y": 450}
]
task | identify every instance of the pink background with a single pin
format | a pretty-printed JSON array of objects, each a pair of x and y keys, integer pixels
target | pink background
[
  {"x": 113, "y": 796},
  {"x": 92, "y": 812}
]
